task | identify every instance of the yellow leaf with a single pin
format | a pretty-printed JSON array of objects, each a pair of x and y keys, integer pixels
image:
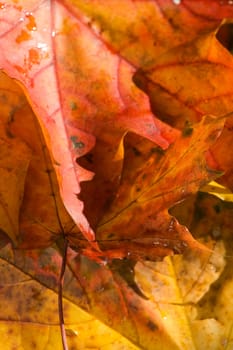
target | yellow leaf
[
  {"x": 15, "y": 157},
  {"x": 29, "y": 318},
  {"x": 218, "y": 190},
  {"x": 174, "y": 287}
]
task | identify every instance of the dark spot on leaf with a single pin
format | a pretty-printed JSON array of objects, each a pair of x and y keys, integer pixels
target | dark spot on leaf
[
  {"x": 111, "y": 235},
  {"x": 10, "y": 331},
  {"x": 217, "y": 208},
  {"x": 133, "y": 307},
  {"x": 157, "y": 150},
  {"x": 76, "y": 143},
  {"x": 173, "y": 22},
  {"x": 151, "y": 325},
  {"x": 57, "y": 163},
  {"x": 73, "y": 348},
  {"x": 188, "y": 129},
  {"x": 73, "y": 106},
  {"x": 136, "y": 151}
]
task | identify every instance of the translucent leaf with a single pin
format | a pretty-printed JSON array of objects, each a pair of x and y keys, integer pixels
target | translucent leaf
[{"x": 219, "y": 191}]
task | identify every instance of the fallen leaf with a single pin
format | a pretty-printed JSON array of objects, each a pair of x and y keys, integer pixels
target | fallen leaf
[
  {"x": 137, "y": 224},
  {"x": 30, "y": 193},
  {"x": 96, "y": 87},
  {"x": 29, "y": 315},
  {"x": 112, "y": 315},
  {"x": 169, "y": 69},
  {"x": 218, "y": 190},
  {"x": 34, "y": 274},
  {"x": 212, "y": 217},
  {"x": 15, "y": 157},
  {"x": 143, "y": 30},
  {"x": 175, "y": 291},
  {"x": 83, "y": 66},
  {"x": 14, "y": 160},
  {"x": 190, "y": 81},
  {"x": 222, "y": 151}
]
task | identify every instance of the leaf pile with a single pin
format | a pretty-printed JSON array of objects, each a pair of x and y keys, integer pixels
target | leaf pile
[{"x": 113, "y": 117}]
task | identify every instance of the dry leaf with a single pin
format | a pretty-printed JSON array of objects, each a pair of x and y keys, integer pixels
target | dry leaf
[{"x": 113, "y": 135}]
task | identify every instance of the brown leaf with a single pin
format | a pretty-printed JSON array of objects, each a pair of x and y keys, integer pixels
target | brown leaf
[
  {"x": 77, "y": 63},
  {"x": 137, "y": 222}
]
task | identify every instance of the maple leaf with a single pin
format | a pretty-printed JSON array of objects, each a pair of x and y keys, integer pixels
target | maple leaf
[
  {"x": 138, "y": 29},
  {"x": 170, "y": 81},
  {"x": 14, "y": 162},
  {"x": 218, "y": 190},
  {"x": 83, "y": 66},
  {"x": 169, "y": 69},
  {"x": 222, "y": 151},
  {"x": 35, "y": 322},
  {"x": 132, "y": 322},
  {"x": 208, "y": 217},
  {"x": 138, "y": 216},
  {"x": 177, "y": 292},
  {"x": 99, "y": 85},
  {"x": 36, "y": 211}
]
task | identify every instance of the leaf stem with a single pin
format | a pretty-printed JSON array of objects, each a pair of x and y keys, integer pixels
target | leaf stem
[{"x": 60, "y": 297}]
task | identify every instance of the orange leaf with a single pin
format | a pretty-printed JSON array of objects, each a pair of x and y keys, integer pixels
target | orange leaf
[
  {"x": 15, "y": 157},
  {"x": 87, "y": 94},
  {"x": 190, "y": 81},
  {"x": 137, "y": 223},
  {"x": 30, "y": 193},
  {"x": 143, "y": 30}
]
